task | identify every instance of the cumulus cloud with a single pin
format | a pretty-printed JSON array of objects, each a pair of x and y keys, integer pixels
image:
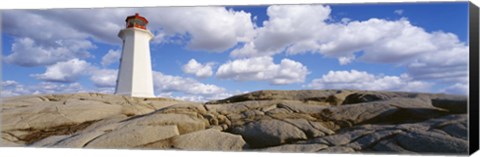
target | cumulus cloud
[
  {"x": 214, "y": 29},
  {"x": 59, "y": 34},
  {"x": 26, "y": 52},
  {"x": 199, "y": 98},
  {"x": 67, "y": 71},
  {"x": 198, "y": 69},
  {"x": 111, "y": 57},
  {"x": 12, "y": 88},
  {"x": 457, "y": 88},
  {"x": 169, "y": 83},
  {"x": 263, "y": 69},
  {"x": 54, "y": 24},
  {"x": 286, "y": 27},
  {"x": 9, "y": 83},
  {"x": 362, "y": 80},
  {"x": 396, "y": 42},
  {"x": 104, "y": 77},
  {"x": 448, "y": 63},
  {"x": 64, "y": 34},
  {"x": 18, "y": 89}
]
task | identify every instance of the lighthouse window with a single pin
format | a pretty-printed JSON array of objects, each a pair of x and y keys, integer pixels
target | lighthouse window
[
  {"x": 130, "y": 22},
  {"x": 139, "y": 22}
]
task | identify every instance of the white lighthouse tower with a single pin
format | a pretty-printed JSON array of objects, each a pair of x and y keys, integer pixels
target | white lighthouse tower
[{"x": 135, "y": 74}]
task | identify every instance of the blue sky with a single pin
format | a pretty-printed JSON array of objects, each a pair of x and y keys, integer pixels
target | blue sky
[{"x": 204, "y": 53}]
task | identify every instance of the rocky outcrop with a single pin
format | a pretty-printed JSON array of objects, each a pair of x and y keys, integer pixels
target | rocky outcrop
[
  {"x": 210, "y": 139},
  {"x": 339, "y": 121},
  {"x": 272, "y": 132}
]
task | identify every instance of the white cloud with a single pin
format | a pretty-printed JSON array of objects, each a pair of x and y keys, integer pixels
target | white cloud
[
  {"x": 345, "y": 20},
  {"x": 204, "y": 98},
  {"x": 263, "y": 69},
  {"x": 448, "y": 63},
  {"x": 362, "y": 80},
  {"x": 198, "y": 69},
  {"x": 457, "y": 88},
  {"x": 396, "y": 42},
  {"x": 41, "y": 88},
  {"x": 64, "y": 34},
  {"x": 105, "y": 90},
  {"x": 111, "y": 57},
  {"x": 49, "y": 87},
  {"x": 286, "y": 27},
  {"x": 26, "y": 52},
  {"x": 168, "y": 83},
  {"x": 67, "y": 71},
  {"x": 104, "y": 77},
  {"x": 12, "y": 88},
  {"x": 213, "y": 29},
  {"x": 398, "y": 11},
  {"x": 54, "y": 24},
  {"x": 9, "y": 83},
  {"x": 59, "y": 34},
  {"x": 346, "y": 60}
]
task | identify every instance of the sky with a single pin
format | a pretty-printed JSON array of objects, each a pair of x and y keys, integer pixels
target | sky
[{"x": 207, "y": 53}]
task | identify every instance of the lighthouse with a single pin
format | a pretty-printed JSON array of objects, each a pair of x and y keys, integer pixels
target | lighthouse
[{"x": 135, "y": 72}]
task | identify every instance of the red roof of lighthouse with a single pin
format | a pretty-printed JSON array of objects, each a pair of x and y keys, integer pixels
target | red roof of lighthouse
[{"x": 136, "y": 21}]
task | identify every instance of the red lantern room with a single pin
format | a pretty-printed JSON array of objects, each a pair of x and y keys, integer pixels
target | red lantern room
[{"x": 136, "y": 21}]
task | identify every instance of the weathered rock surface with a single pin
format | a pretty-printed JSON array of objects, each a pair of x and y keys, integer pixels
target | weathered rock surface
[
  {"x": 334, "y": 121},
  {"x": 132, "y": 136},
  {"x": 209, "y": 139},
  {"x": 272, "y": 132}
]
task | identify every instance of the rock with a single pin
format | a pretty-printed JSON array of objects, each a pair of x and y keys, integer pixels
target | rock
[
  {"x": 321, "y": 127},
  {"x": 15, "y": 136},
  {"x": 83, "y": 137},
  {"x": 55, "y": 110},
  {"x": 44, "y": 116},
  {"x": 185, "y": 123},
  {"x": 346, "y": 116},
  {"x": 389, "y": 146},
  {"x": 306, "y": 127},
  {"x": 333, "y": 121},
  {"x": 295, "y": 148},
  {"x": 161, "y": 144},
  {"x": 454, "y": 105},
  {"x": 337, "y": 149},
  {"x": 20, "y": 102},
  {"x": 210, "y": 139},
  {"x": 29, "y": 136},
  {"x": 369, "y": 140},
  {"x": 239, "y": 107},
  {"x": 430, "y": 142},
  {"x": 129, "y": 137},
  {"x": 392, "y": 111},
  {"x": 277, "y": 95},
  {"x": 79, "y": 140},
  {"x": 457, "y": 130},
  {"x": 185, "y": 108},
  {"x": 266, "y": 133},
  {"x": 5, "y": 143},
  {"x": 299, "y": 107},
  {"x": 367, "y": 96},
  {"x": 49, "y": 141},
  {"x": 341, "y": 139}
]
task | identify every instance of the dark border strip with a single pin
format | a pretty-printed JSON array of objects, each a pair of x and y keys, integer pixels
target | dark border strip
[{"x": 473, "y": 118}]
